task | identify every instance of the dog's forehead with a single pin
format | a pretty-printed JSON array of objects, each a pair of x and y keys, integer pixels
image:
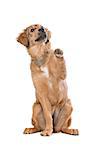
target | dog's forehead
[{"x": 35, "y": 26}]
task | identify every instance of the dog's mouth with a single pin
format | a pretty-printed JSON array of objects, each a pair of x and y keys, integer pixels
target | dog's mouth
[{"x": 41, "y": 37}]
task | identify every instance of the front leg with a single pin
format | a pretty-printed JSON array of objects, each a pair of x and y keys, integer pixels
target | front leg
[
  {"x": 61, "y": 66},
  {"x": 49, "y": 127},
  {"x": 48, "y": 118}
]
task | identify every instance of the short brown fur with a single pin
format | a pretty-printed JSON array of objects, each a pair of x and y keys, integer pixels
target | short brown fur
[{"x": 52, "y": 109}]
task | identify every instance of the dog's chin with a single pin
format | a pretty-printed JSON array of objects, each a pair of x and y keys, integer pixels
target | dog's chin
[{"x": 41, "y": 38}]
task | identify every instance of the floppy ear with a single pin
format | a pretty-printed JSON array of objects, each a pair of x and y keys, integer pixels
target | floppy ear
[
  {"x": 22, "y": 38},
  {"x": 48, "y": 34}
]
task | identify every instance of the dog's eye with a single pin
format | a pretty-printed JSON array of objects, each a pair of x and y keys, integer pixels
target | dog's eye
[{"x": 32, "y": 30}]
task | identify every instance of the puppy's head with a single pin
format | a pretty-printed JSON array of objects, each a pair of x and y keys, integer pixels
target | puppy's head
[{"x": 34, "y": 35}]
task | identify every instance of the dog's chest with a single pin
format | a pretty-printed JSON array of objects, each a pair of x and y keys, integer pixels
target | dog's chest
[
  {"x": 45, "y": 83},
  {"x": 46, "y": 75},
  {"x": 45, "y": 71},
  {"x": 42, "y": 78}
]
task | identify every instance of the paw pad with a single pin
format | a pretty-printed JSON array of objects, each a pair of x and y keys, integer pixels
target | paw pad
[{"x": 58, "y": 53}]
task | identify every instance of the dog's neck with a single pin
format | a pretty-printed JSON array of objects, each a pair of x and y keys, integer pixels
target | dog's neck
[{"x": 43, "y": 57}]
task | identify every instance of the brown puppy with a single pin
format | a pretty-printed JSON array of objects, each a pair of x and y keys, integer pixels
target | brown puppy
[{"x": 52, "y": 109}]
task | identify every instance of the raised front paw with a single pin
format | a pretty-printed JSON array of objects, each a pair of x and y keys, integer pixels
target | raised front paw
[
  {"x": 58, "y": 52},
  {"x": 46, "y": 132}
]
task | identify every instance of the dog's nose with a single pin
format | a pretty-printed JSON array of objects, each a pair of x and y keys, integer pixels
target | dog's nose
[{"x": 41, "y": 29}]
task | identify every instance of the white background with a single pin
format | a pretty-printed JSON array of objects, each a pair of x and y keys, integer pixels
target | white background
[{"x": 75, "y": 26}]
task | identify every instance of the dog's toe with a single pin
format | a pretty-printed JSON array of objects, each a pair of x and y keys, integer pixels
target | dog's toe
[
  {"x": 58, "y": 52},
  {"x": 30, "y": 130},
  {"x": 47, "y": 132}
]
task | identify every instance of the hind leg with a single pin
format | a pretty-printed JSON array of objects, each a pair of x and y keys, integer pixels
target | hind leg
[
  {"x": 61, "y": 115},
  {"x": 37, "y": 120},
  {"x": 30, "y": 130},
  {"x": 62, "y": 120},
  {"x": 65, "y": 128}
]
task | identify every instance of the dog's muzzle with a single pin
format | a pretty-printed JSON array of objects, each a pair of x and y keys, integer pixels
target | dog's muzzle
[{"x": 41, "y": 35}]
